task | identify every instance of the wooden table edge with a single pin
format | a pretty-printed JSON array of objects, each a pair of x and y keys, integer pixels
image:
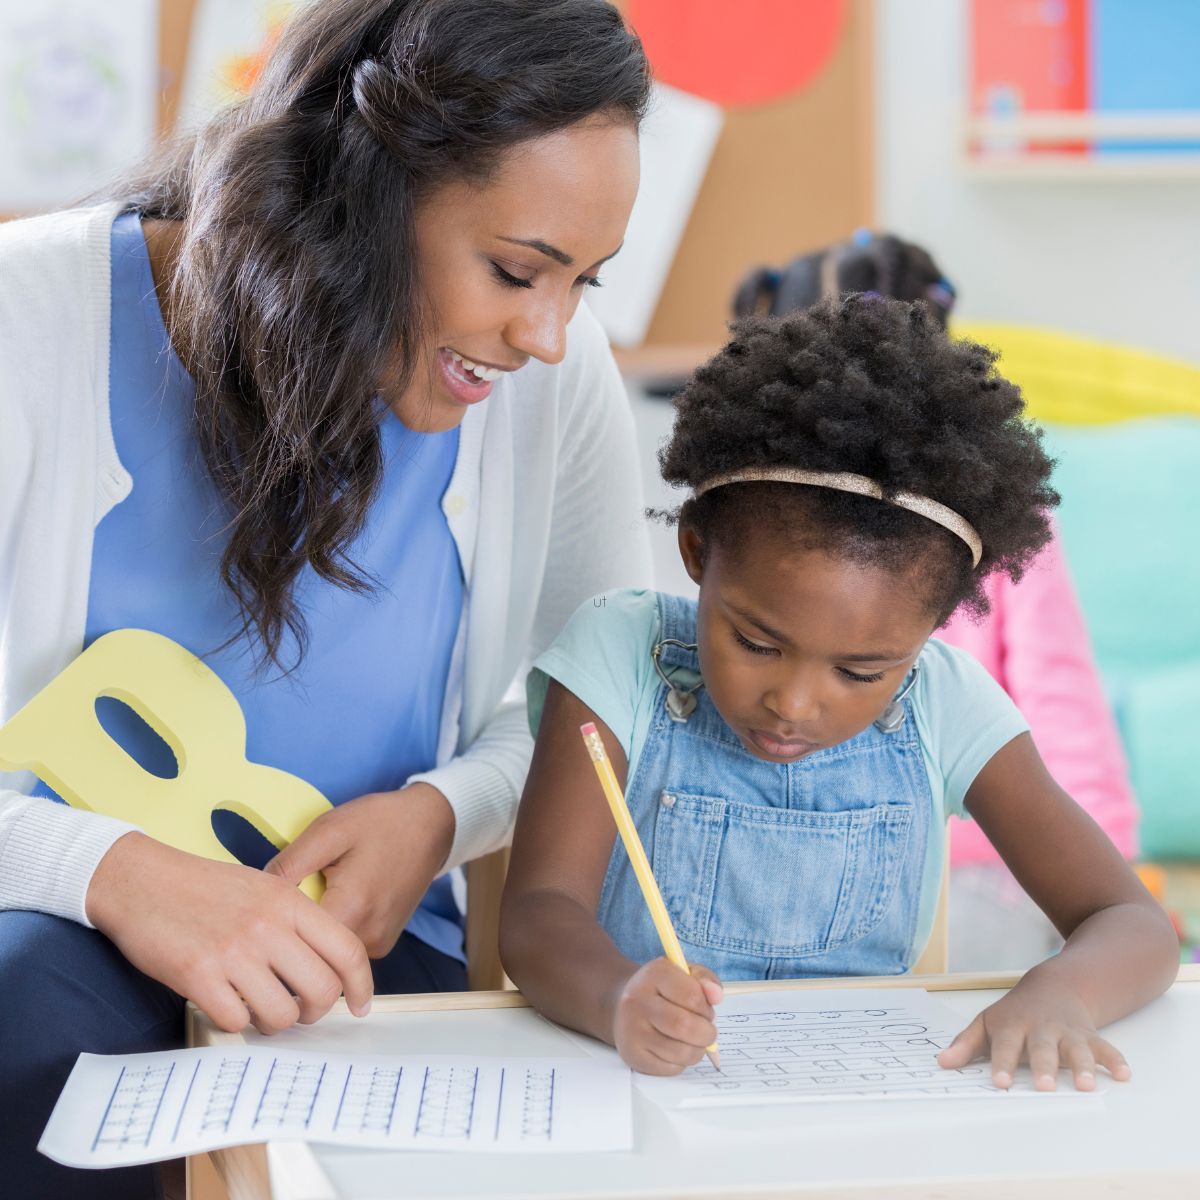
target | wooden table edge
[{"x": 466, "y": 1001}]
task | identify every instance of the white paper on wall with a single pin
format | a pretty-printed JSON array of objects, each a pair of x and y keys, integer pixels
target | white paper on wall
[
  {"x": 78, "y": 96},
  {"x": 229, "y": 39},
  {"x": 677, "y": 142}
]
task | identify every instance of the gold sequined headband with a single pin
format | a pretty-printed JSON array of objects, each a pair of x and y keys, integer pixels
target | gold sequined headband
[{"x": 844, "y": 481}]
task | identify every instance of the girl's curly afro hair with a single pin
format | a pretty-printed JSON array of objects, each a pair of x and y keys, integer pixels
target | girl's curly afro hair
[{"x": 873, "y": 386}]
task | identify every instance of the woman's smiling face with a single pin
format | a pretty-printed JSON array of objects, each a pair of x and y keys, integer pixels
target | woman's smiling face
[
  {"x": 502, "y": 265},
  {"x": 801, "y": 650}
]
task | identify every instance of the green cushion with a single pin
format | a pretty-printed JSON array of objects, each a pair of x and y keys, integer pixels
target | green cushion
[
  {"x": 1161, "y": 715},
  {"x": 1130, "y": 521}
]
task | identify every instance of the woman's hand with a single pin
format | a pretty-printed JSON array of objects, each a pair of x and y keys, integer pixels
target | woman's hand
[
  {"x": 663, "y": 1018},
  {"x": 243, "y": 946},
  {"x": 1044, "y": 1024},
  {"x": 379, "y": 854}
]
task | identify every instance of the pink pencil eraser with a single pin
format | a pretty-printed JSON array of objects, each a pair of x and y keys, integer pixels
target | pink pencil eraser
[{"x": 588, "y": 729}]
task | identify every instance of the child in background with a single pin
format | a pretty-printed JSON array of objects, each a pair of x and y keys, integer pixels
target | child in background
[
  {"x": 1035, "y": 644},
  {"x": 792, "y": 743},
  {"x": 1033, "y": 641}
]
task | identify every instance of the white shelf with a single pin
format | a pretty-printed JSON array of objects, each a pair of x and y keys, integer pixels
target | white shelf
[
  {"x": 1067, "y": 167},
  {"x": 994, "y": 147},
  {"x": 1087, "y": 126}
]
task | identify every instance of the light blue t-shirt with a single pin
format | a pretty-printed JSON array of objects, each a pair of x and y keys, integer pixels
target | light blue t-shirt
[
  {"x": 963, "y": 716},
  {"x": 362, "y": 711}
]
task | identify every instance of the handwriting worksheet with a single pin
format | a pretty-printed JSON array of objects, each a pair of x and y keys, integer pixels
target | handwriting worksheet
[
  {"x": 848, "y": 1043},
  {"x": 125, "y": 1109}
]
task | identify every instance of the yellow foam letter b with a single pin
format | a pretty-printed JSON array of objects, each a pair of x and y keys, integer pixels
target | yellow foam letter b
[{"x": 58, "y": 736}]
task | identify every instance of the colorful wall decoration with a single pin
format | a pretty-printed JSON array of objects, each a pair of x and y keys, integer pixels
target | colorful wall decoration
[
  {"x": 738, "y": 53},
  {"x": 78, "y": 96},
  {"x": 230, "y": 42},
  {"x": 1085, "y": 78}
]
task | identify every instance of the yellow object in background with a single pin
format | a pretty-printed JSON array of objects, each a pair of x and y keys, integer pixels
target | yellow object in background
[
  {"x": 1071, "y": 380},
  {"x": 1154, "y": 879},
  {"x": 58, "y": 736}
]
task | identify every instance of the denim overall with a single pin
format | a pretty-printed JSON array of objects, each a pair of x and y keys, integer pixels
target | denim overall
[{"x": 771, "y": 870}]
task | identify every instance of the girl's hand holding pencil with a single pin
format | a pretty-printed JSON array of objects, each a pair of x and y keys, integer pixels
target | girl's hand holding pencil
[
  {"x": 663, "y": 1019},
  {"x": 674, "y": 980}
]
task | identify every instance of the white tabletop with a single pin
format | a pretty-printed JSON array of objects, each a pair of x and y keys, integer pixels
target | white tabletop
[{"x": 1139, "y": 1139}]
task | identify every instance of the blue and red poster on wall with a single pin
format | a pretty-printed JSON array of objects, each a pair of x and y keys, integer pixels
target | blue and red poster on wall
[
  {"x": 1126, "y": 68},
  {"x": 751, "y": 52}
]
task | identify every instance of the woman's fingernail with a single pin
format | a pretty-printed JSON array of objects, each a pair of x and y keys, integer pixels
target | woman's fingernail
[{"x": 362, "y": 1010}]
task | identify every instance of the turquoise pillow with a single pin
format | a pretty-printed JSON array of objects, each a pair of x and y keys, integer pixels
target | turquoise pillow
[
  {"x": 1161, "y": 725},
  {"x": 1130, "y": 521}
]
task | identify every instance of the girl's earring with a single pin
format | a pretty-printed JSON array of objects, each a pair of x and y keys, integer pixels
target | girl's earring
[{"x": 893, "y": 716}]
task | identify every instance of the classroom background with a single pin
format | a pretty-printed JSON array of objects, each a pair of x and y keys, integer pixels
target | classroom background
[{"x": 1046, "y": 152}]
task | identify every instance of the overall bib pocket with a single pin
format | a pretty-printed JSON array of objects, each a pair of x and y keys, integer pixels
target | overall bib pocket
[{"x": 776, "y": 882}]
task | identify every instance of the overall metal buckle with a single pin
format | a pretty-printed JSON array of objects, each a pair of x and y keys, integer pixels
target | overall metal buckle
[
  {"x": 680, "y": 704},
  {"x": 893, "y": 716}
]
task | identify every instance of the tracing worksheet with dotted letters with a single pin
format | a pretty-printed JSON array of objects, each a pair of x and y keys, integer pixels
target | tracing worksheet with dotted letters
[{"x": 835, "y": 1044}]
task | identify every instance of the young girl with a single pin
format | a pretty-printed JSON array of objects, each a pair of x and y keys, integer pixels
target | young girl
[{"x": 792, "y": 743}]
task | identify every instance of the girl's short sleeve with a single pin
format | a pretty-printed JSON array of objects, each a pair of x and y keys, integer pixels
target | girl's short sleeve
[
  {"x": 603, "y": 657},
  {"x": 964, "y": 717}
]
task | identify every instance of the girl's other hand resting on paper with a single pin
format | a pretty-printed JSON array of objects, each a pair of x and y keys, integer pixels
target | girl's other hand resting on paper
[
  {"x": 1044, "y": 1025},
  {"x": 663, "y": 1018},
  {"x": 1120, "y": 948}
]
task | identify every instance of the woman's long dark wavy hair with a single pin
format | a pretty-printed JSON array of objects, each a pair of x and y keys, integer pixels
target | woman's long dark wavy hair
[{"x": 297, "y": 289}]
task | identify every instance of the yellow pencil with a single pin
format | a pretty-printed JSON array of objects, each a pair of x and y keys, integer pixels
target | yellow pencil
[{"x": 637, "y": 858}]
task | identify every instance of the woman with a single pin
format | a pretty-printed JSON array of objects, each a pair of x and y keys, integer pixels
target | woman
[{"x": 315, "y": 400}]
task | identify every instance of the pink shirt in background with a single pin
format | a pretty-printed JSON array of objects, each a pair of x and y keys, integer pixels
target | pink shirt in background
[{"x": 1035, "y": 644}]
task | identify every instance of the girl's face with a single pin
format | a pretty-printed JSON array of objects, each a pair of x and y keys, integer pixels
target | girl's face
[
  {"x": 800, "y": 650},
  {"x": 503, "y": 265}
]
